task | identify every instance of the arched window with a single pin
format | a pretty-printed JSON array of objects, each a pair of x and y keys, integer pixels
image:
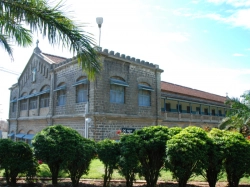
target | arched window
[
  {"x": 14, "y": 104},
  {"x": 144, "y": 96},
  {"x": 23, "y": 103},
  {"x": 33, "y": 100},
  {"x": 44, "y": 98},
  {"x": 61, "y": 94},
  {"x": 117, "y": 90},
  {"x": 81, "y": 90}
]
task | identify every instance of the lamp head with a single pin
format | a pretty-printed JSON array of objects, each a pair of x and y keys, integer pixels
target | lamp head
[{"x": 99, "y": 21}]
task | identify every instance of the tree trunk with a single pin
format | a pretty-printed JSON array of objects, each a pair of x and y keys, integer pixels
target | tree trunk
[
  {"x": 54, "y": 169},
  {"x": 212, "y": 177},
  {"x": 234, "y": 182},
  {"x": 7, "y": 176},
  {"x": 182, "y": 183},
  {"x": 130, "y": 179}
]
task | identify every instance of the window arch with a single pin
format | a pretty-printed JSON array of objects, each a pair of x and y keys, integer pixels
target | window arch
[
  {"x": 144, "y": 96},
  {"x": 117, "y": 90},
  {"x": 61, "y": 94},
  {"x": 81, "y": 90}
]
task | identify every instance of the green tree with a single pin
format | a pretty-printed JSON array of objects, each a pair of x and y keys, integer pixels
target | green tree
[
  {"x": 236, "y": 164},
  {"x": 128, "y": 163},
  {"x": 216, "y": 156},
  {"x": 174, "y": 130},
  {"x": 238, "y": 118},
  {"x": 108, "y": 152},
  {"x": 151, "y": 151},
  {"x": 52, "y": 23},
  {"x": 16, "y": 158},
  {"x": 187, "y": 154},
  {"x": 81, "y": 156},
  {"x": 55, "y": 146}
]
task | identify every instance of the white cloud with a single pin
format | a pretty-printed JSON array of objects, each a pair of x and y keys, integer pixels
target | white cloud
[
  {"x": 240, "y": 18},
  {"x": 160, "y": 8},
  {"x": 195, "y": 1},
  {"x": 235, "y": 3},
  {"x": 237, "y": 18},
  {"x": 238, "y": 54}
]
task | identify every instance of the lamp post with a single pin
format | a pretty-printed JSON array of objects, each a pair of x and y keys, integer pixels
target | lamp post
[{"x": 99, "y": 21}]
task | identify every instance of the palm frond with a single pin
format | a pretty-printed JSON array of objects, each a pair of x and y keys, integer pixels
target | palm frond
[
  {"x": 15, "y": 31},
  {"x": 6, "y": 45},
  {"x": 53, "y": 24}
]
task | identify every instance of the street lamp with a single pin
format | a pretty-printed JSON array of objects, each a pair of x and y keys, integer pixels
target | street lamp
[{"x": 99, "y": 21}]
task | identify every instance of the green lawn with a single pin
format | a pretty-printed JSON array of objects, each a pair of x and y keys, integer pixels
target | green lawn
[{"x": 97, "y": 170}]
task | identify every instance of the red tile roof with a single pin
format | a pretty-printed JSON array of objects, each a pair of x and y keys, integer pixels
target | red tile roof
[
  {"x": 55, "y": 59},
  {"x": 174, "y": 88}
]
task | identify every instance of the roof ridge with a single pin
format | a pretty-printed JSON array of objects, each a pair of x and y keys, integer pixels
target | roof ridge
[
  {"x": 193, "y": 89},
  {"x": 55, "y": 55}
]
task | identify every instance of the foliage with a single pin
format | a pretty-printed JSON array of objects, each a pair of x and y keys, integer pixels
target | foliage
[
  {"x": 81, "y": 156},
  {"x": 237, "y": 149},
  {"x": 216, "y": 155},
  {"x": 128, "y": 163},
  {"x": 16, "y": 158},
  {"x": 52, "y": 23},
  {"x": 239, "y": 116},
  {"x": 151, "y": 151},
  {"x": 108, "y": 152},
  {"x": 53, "y": 144},
  {"x": 174, "y": 130},
  {"x": 187, "y": 153}
]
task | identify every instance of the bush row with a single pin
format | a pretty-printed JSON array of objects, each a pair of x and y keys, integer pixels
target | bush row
[{"x": 184, "y": 152}]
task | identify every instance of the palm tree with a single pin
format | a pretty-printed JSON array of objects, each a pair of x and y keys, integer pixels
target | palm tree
[
  {"x": 51, "y": 23},
  {"x": 239, "y": 117}
]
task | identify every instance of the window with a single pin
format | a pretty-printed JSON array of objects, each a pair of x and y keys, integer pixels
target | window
[
  {"x": 14, "y": 107},
  {"x": 14, "y": 104},
  {"x": 81, "y": 93},
  {"x": 81, "y": 90},
  {"x": 44, "y": 96},
  {"x": 61, "y": 98},
  {"x": 188, "y": 109},
  {"x": 144, "y": 98},
  {"x": 33, "y": 103},
  {"x": 61, "y": 94},
  {"x": 220, "y": 113},
  {"x": 198, "y": 110},
  {"x": 168, "y": 107},
  {"x": 205, "y": 111},
  {"x": 44, "y": 101},
  {"x": 179, "y": 109},
  {"x": 213, "y": 112},
  {"x": 23, "y": 104},
  {"x": 117, "y": 90},
  {"x": 144, "y": 94},
  {"x": 116, "y": 94}
]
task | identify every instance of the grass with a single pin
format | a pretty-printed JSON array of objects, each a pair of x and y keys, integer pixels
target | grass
[{"x": 96, "y": 171}]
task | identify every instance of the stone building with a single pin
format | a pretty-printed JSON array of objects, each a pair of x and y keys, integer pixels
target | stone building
[{"x": 128, "y": 94}]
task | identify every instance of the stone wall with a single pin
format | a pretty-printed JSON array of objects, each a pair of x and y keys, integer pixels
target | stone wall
[{"x": 106, "y": 117}]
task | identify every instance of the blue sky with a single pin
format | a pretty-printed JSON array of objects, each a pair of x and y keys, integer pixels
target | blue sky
[{"x": 204, "y": 45}]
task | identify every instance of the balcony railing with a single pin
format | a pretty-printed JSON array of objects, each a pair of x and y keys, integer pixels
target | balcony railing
[{"x": 174, "y": 116}]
